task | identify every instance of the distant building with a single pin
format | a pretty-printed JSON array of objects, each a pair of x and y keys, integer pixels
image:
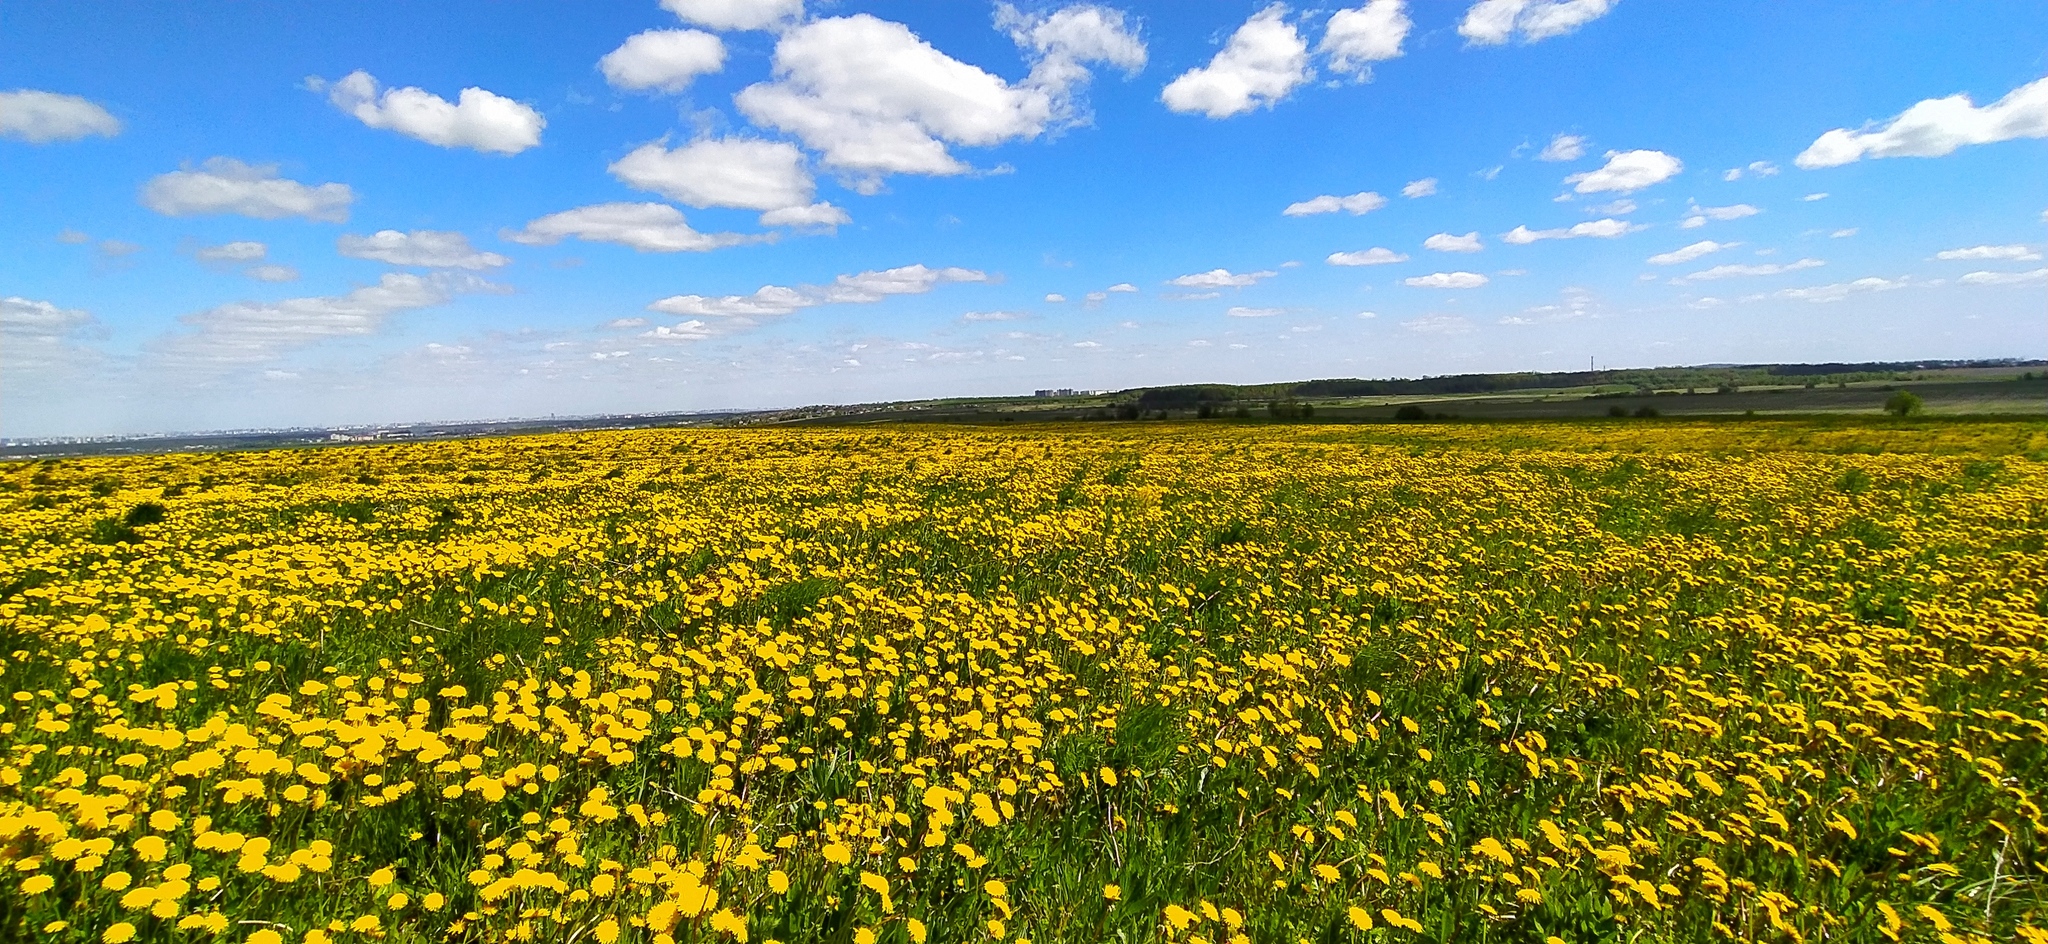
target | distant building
[{"x": 1059, "y": 392}]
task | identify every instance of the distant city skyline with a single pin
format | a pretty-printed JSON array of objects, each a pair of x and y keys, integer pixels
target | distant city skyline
[{"x": 215, "y": 215}]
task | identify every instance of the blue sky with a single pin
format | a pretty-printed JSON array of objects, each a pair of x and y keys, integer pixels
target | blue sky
[{"x": 220, "y": 215}]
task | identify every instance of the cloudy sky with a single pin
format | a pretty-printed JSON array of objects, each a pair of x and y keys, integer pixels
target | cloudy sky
[{"x": 220, "y": 215}]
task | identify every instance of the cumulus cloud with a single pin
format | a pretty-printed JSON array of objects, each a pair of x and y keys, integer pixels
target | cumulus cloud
[
  {"x": 736, "y": 14},
  {"x": 973, "y": 316},
  {"x": 1759, "y": 168},
  {"x": 1493, "y": 22},
  {"x": 38, "y": 335},
  {"x": 1261, "y": 64},
  {"x": 1357, "y": 204},
  {"x": 1597, "y": 229},
  {"x": 43, "y": 117},
  {"x": 480, "y": 120},
  {"x": 1222, "y": 278},
  {"x": 1844, "y": 233},
  {"x": 1366, "y": 257},
  {"x": 1059, "y": 44},
  {"x": 1627, "y": 172},
  {"x": 1445, "y": 242},
  {"x": 1128, "y": 287},
  {"x": 1936, "y": 127},
  {"x": 1697, "y": 216},
  {"x": 1356, "y": 38},
  {"x": 1564, "y": 147},
  {"x": 2019, "y": 253},
  {"x": 1686, "y": 254},
  {"x": 1812, "y": 197},
  {"x": 240, "y": 251},
  {"x": 1241, "y": 312},
  {"x": 243, "y": 333},
  {"x": 720, "y": 172},
  {"x": 1822, "y": 294},
  {"x": 820, "y": 215},
  {"x": 2003, "y": 278},
  {"x": 426, "y": 248},
  {"x": 774, "y": 300},
  {"x": 873, "y": 98},
  {"x": 662, "y": 60},
  {"x": 1055, "y": 297},
  {"x": 647, "y": 227},
  {"x": 1744, "y": 271},
  {"x": 226, "y": 185},
  {"x": 1447, "y": 280},
  {"x": 1419, "y": 188}
]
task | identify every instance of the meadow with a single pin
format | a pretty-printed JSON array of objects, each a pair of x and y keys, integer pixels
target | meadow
[{"x": 1663, "y": 681}]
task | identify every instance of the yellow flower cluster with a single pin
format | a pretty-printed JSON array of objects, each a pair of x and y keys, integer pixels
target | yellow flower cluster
[{"x": 1736, "y": 681}]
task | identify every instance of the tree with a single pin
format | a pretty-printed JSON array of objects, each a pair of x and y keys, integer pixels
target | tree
[{"x": 1903, "y": 403}]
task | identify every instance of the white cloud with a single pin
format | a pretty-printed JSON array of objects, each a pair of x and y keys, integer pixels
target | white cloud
[
  {"x": 1260, "y": 65},
  {"x": 1240, "y": 312},
  {"x": 1366, "y": 257},
  {"x": 433, "y": 249},
  {"x": 647, "y": 227},
  {"x": 744, "y": 173},
  {"x": 1821, "y": 294},
  {"x": 1357, "y": 204},
  {"x": 736, "y": 14},
  {"x": 1686, "y": 254},
  {"x": 1741, "y": 271},
  {"x": 1936, "y": 127},
  {"x": 1055, "y": 297},
  {"x": 272, "y": 273},
  {"x": 226, "y": 185},
  {"x": 2003, "y": 278},
  {"x": 38, "y": 335},
  {"x": 1419, "y": 188},
  {"x": 1445, "y": 242},
  {"x": 1222, "y": 278},
  {"x": 481, "y": 120},
  {"x": 1844, "y": 233},
  {"x": 862, "y": 288},
  {"x": 692, "y": 330},
  {"x": 1059, "y": 43},
  {"x": 1811, "y": 197},
  {"x": 1621, "y": 207},
  {"x": 1627, "y": 172},
  {"x": 819, "y": 215},
  {"x": 1095, "y": 298},
  {"x": 1447, "y": 280},
  {"x": 873, "y": 98},
  {"x": 1598, "y": 229},
  {"x": 1564, "y": 147},
  {"x": 1439, "y": 324},
  {"x": 73, "y": 237},
  {"x": 992, "y": 316},
  {"x": 2015, "y": 252},
  {"x": 1697, "y": 216},
  {"x": 116, "y": 248},
  {"x": 1493, "y": 22},
  {"x": 253, "y": 332},
  {"x": 1128, "y": 287},
  {"x": 242, "y": 251},
  {"x": 42, "y": 117},
  {"x": 1759, "y": 168},
  {"x": 662, "y": 60},
  {"x": 1357, "y": 37}
]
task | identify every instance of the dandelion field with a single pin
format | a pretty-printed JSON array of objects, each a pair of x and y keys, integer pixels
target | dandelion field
[{"x": 1145, "y": 683}]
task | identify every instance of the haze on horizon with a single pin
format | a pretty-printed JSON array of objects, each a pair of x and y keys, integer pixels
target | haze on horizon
[{"x": 220, "y": 215}]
